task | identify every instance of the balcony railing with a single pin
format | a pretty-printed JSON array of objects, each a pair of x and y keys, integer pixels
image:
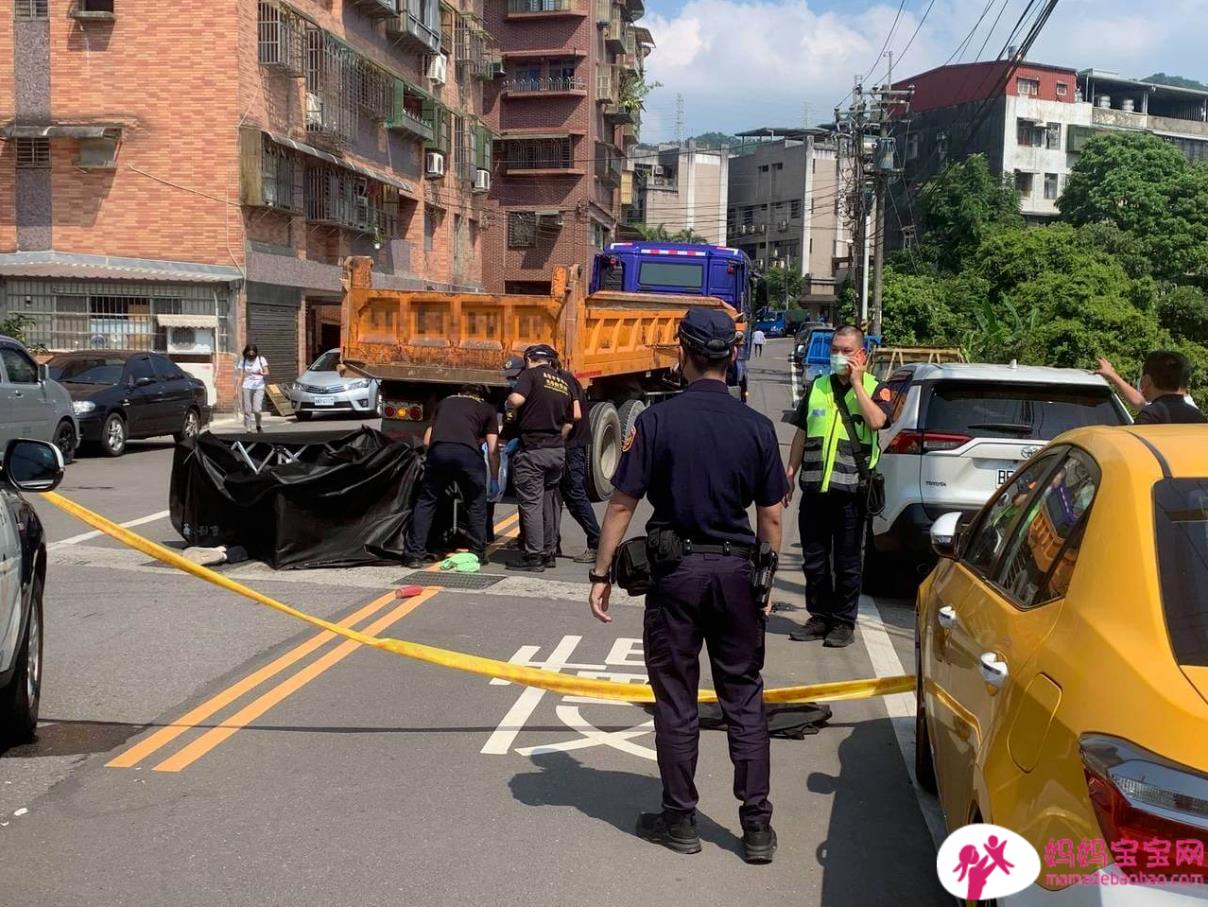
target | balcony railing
[
  {"x": 546, "y": 85},
  {"x": 523, "y": 155},
  {"x": 548, "y": 7},
  {"x": 417, "y": 25}
]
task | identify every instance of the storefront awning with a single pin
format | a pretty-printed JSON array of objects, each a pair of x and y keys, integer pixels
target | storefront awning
[
  {"x": 187, "y": 321},
  {"x": 61, "y": 131},
  {"x": 515, "y": 136},
  {"x": 370, "y": 172},
  {"x": 77, "y": 266}
]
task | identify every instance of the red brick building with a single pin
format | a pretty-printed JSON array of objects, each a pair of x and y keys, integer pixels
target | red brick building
[
  {"x": 186, "y": 183},
  {"x": 565, "y": 110}
]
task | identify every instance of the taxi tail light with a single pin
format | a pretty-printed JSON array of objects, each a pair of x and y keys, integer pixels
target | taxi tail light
[
  {"x": 1140, "y": 796},
  {"x": 919, "y": 442}
]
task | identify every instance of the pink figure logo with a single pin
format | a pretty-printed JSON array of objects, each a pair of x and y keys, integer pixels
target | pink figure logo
[{"x": 974, "y": 864}]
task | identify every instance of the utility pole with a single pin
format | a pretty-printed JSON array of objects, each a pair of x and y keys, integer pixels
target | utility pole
[{"x": 868, "y": 123}]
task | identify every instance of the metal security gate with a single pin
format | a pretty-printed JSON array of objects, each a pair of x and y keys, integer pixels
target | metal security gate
[{"x": 274, "y": 330}]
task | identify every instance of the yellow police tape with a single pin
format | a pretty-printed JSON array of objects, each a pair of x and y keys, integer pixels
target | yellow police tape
[{"x": 473, "y": 664}]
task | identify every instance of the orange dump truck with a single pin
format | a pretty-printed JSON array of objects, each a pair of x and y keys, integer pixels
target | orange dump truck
[{"x": 423, "y": 345}]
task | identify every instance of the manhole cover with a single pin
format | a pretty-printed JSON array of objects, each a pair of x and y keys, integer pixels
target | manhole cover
[{"x": 450, "y": 580}]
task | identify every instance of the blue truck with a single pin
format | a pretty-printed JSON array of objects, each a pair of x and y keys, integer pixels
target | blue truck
[
  {"x": 771, "y": 323},
  {"x": 682, "y": 269}
]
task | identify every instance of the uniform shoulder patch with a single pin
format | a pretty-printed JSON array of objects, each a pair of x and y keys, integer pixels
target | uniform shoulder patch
[
  {"x": 629, "y": 439},
  {"x": 885, "y": 394}
]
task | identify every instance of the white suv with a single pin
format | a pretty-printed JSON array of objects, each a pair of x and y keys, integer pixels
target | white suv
[{"x": 960, "y": 430}]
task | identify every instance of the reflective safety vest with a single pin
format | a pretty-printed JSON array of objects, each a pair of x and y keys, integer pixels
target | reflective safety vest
[{"x": 829, "y": 461}]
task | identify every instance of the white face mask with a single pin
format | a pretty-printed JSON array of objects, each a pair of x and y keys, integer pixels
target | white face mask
[{"x": 838, "y": 363}]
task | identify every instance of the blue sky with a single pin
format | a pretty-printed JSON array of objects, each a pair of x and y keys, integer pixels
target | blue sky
[{"x": 746, "y": 63}]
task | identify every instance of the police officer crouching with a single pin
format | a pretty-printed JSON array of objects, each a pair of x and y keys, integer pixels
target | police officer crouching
[
  {"x": 460, "y": 426},
  {"x": 702, "y": 458}
]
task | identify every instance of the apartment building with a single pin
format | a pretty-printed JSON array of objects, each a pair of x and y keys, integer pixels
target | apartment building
[
  {"x": 787, "y": 209},
  {"x": 1032, "y": 122},
  {"x": 187, "y": 185},
  {"x": 565, "y": 110},
  {"x": 678, "y": 188}
]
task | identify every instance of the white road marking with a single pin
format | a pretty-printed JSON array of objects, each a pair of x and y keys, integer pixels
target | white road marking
[
  {"x": 502, "y": 738},
  {"x": 96, "y": 533},
  {"x": 900, "y": 706}
]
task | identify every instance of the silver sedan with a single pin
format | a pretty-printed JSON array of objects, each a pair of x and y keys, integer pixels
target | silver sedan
[{"x": 322, "y": 389}]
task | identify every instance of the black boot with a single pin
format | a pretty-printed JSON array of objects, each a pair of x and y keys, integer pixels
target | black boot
[
  {"x": 759, "y": 844},
  {"x": 815, "y": 628},
  {"x": 678, "y": 834},
  {"x": 530, "y": 564}
]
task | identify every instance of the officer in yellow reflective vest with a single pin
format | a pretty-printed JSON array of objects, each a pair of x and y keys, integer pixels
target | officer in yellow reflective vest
[{"x": 832, "y": 513}]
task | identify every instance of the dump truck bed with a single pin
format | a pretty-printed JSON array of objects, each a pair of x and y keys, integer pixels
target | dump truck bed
[{"x": 461, "y": 338}]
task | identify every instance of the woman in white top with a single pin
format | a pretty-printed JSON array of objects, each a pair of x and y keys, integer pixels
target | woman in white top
[{"x": 252, "y": 370}]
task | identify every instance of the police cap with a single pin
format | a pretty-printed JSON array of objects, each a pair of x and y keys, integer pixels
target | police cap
[
  {"x": 540, "y": 351},
  {"x": 708, "y": 332},
  {"x": 513, "y": 367}
]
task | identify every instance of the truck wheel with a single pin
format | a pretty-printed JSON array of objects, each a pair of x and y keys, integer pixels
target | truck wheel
[
  {"x": 628, "y": 414},
  {"x": 605, "y": 450}
]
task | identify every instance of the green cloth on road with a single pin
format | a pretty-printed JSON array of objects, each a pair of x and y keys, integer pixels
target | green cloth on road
[{"x": 462, "y": 563}]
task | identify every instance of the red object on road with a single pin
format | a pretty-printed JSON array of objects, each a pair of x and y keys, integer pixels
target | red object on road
[{"x": 408, "y": 591}]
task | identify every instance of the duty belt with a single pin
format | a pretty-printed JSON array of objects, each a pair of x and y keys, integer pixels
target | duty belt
[{"x": 727, "y": 548}]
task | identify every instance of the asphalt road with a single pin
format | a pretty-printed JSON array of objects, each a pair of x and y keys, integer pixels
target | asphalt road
[{"x": 199, "y": 749}]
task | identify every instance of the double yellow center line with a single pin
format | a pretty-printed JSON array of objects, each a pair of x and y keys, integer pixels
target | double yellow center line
[{"x": 226, "y": 728}]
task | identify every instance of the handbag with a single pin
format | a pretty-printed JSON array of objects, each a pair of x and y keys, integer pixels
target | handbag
[
  {"x": 631, "y": 566},
  {"x": 872, "y": 483}
]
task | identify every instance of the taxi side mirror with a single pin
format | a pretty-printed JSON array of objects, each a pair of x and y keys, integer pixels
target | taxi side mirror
[{"x": 945, "y": 535}]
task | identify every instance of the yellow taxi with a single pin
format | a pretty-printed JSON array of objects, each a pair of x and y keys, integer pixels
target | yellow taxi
[{"x": 1062, "y": 658}]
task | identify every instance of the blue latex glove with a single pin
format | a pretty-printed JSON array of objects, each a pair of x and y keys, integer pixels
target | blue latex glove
[
  {"x": 511, "y": 446},
  {"x": 493, "y": 491}
]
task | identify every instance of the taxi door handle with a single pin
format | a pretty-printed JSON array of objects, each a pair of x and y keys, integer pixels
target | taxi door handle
[
  {"x": 946, "y": 617},
  {"x": 993, "y": 669}
]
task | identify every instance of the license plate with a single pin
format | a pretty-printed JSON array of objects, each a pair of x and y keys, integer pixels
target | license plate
[{"x": 325, "y": 401}]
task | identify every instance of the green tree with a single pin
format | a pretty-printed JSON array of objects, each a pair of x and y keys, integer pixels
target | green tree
[
  {"x": 1145, "y": 187},
  {"x": 1160, "y": 78},
  {"x": 653, "y": 234},
  {"x": 961, "y": 207},
  {"x": 15, "y": 325},
  {"x": 1184, "y": 312},
  {"x": 784, "y": 287},
  {"x": 925, "y": 310}
]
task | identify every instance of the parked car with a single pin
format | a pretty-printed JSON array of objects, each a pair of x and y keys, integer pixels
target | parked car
[
  {"x": 1062, "y": 654},
  {"x": 31, "y": 404},
  {"x": 322, "y": 389},
  {"x": 28, "y": 466},
  {"x": 960, "y": 430},
  {"x": 120, "y": 395}
]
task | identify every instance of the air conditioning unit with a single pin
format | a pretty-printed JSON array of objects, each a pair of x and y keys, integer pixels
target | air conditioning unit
[
  {"x": 498, "y": 70},
  {"x": 658, "y": 170},
  {"x": 482, "y": 180},
  {"x": 438, "y": 68},
  {"x": 550, "y": 220},
  {"x": 435, "y": 164}
]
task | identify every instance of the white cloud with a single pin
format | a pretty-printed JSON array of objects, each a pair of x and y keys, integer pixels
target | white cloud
[{"x": 746, "y": 63}]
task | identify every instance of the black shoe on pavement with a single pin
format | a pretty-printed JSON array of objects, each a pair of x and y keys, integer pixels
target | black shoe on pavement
[
  {"x": 482, "y": 557},
  {"x": 815, "y": 628},
  {"x": 412, "y": 562},
  {"x": 587, "y": 557},
  {"x": 550, "y": 561},
  {"x": 678, "y": 835},
  {"x": 839, "y": 636},
  {"x": 759, "y": 844},
  {"x": 529, "y": 565}
]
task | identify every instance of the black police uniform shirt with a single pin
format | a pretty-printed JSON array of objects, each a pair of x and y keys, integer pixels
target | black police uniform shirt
[
  {"x": 702, "y": 458},
  {"x": 463, "y": 420},
  {"x": 548, "y": 405},
  {"x": 580, "y": 435},
  {"x": 1170, "y": 409}
]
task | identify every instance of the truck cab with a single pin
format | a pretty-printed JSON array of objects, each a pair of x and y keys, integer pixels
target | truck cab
[{"x": 681, "y": 269}]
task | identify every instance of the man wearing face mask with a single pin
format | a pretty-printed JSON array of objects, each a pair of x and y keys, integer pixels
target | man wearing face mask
[{"x": 824, "y": 460}]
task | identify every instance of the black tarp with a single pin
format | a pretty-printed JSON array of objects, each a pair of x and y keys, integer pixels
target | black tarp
[{"x": 344, "y": 501}]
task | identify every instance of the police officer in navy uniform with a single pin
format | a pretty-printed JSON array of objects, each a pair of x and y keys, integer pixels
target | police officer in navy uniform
[{"x": 702, "y": 458}]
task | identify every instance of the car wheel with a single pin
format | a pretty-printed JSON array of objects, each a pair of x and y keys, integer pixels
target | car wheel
[
  {"x": 190, "y": 429},
  {"x": 113, "y": 436},
  {"x": 924, "y": 761},
  {"x": 303, "y": 416},
  {"x": 19, "y": 700},
  {"x": 65, "y": 440}
]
